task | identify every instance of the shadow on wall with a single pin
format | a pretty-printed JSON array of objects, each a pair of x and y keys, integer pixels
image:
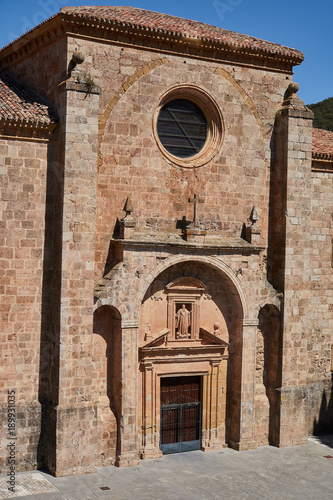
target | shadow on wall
[
  {"x": 324, "y": 423},
  {"x": 270, "y": 327},
  {"x": 48, "y": 391},
  {"x": 107, "y": 324}
]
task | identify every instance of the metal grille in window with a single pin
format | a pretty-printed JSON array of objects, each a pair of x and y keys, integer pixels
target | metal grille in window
[{"x": 182, "y": 128}]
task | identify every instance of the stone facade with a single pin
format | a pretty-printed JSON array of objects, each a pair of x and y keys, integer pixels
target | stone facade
[{"x": 90, "y": 287}]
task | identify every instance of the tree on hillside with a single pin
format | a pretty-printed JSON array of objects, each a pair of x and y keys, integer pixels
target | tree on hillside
[{"x": 323, "y": 114}]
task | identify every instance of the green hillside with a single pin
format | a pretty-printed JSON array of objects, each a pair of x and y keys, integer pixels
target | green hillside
[{"x": 323, "y": 114}]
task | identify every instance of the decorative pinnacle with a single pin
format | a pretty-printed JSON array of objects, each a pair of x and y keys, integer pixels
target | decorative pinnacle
[
  {"x": 291, "y": 99},
  {"x": 293, "y": 88},
  {"x": 128, "y": 207},
  {"x": 127, "y": 223},
  {"x": 77, "y": 58},
  {"x": 254, "y": 216}
]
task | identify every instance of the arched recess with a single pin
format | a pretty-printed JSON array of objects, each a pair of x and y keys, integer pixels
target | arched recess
[
  {"x": 236, "y": 289},
  {"x": 218, "y": 301},
  {"x": 268, "y": 376},
  {"x": 235, "y": 285},
  {"x": 224, "y": 301},
  {"x": 107, "y": 357}
]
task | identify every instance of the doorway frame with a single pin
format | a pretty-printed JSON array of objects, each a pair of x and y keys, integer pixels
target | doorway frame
[{"x": 212, "y": 368}]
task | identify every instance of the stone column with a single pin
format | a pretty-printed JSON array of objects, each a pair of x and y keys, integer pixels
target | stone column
[{"x": 128, "y": 453}]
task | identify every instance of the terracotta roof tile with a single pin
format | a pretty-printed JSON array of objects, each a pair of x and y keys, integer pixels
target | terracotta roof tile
[
  {"x": 19, "y": 102},
  {"x": 163, "y": 23},
  {"x": 322, "y": 144}
]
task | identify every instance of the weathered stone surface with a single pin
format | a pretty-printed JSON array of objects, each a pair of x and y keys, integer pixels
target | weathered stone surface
[{"x": 89, "y": 294}]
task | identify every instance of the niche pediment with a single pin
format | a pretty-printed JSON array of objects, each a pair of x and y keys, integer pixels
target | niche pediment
[
  {"x": 212, "y": 338},
  {"x": 186, "y": 284},
  {"x": 160, "y": 342}
]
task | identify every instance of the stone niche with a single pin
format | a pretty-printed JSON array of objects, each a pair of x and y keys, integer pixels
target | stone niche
[
  {"x": 163, "y": 305},
  {"x": 183, "y": 299}
]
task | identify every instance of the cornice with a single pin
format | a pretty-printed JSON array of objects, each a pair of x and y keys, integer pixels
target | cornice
[
  {"x": 31, "y": 42},
  {"x": 226, "y": 244},
  {"x": 322, "y": 156},
  {"x": 61, "y": 25},
  {"x": 322, "y": 162},
  {"x": 25, "y": 130}
]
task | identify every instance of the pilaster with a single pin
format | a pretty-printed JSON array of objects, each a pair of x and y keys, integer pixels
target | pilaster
[
  {"x": 244, "y": 384},
  {"x": 127, "y": 427},
  {"x": 213, "y": 412},
  {"x": 73, "y": 418},
  {"x": 149, "y": 418},
  {"x": 292, "y": 173}
]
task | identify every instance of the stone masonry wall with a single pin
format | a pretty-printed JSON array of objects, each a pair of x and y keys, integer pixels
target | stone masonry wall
[
  {"x": 75, "y": 391},
  {"x": 320, "y": 233},
  {"x": 23, "y": 172},
  {"x": 106, "y": 152},
  {"x": 45, "y": 69},
  {"x": 130, "y": 163}
]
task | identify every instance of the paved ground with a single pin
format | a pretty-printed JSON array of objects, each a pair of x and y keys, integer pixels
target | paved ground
[{"x": 300, "y": 472}]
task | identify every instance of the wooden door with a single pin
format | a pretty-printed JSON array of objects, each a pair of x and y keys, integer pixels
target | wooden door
[{"x": 180, "y": 414}]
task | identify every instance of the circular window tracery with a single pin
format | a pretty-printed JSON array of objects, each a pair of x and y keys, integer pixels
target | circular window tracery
[
  {"x": 188, "y": 126},
  {"x": 182, "y": 128}
]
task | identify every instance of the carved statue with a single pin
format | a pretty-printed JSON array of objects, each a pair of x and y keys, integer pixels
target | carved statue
[{"x": 183, "y": 322}]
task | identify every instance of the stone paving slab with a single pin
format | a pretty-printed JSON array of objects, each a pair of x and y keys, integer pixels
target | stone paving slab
[
  {"x": 267, "y": 473},
  {"x": 26, "y": 483}
]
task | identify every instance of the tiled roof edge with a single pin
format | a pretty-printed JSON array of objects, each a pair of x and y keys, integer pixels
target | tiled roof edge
[
  {"x": 322, "y": 145},
  {"x": 281, "y": 50},
  {"x": 23, "y": 105},
  {"x": 277, "y": 50}
]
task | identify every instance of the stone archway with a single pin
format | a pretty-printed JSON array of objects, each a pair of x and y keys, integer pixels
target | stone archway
[
  {"x": 210, "y": 297},
  {"x": 170, "y": 349},
  {"x": 218, "y": 265},
  {"x": 139, "y": 430}
]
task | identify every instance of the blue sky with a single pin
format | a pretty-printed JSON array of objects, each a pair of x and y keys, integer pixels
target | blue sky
[{"x": 305, "y": 25}]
